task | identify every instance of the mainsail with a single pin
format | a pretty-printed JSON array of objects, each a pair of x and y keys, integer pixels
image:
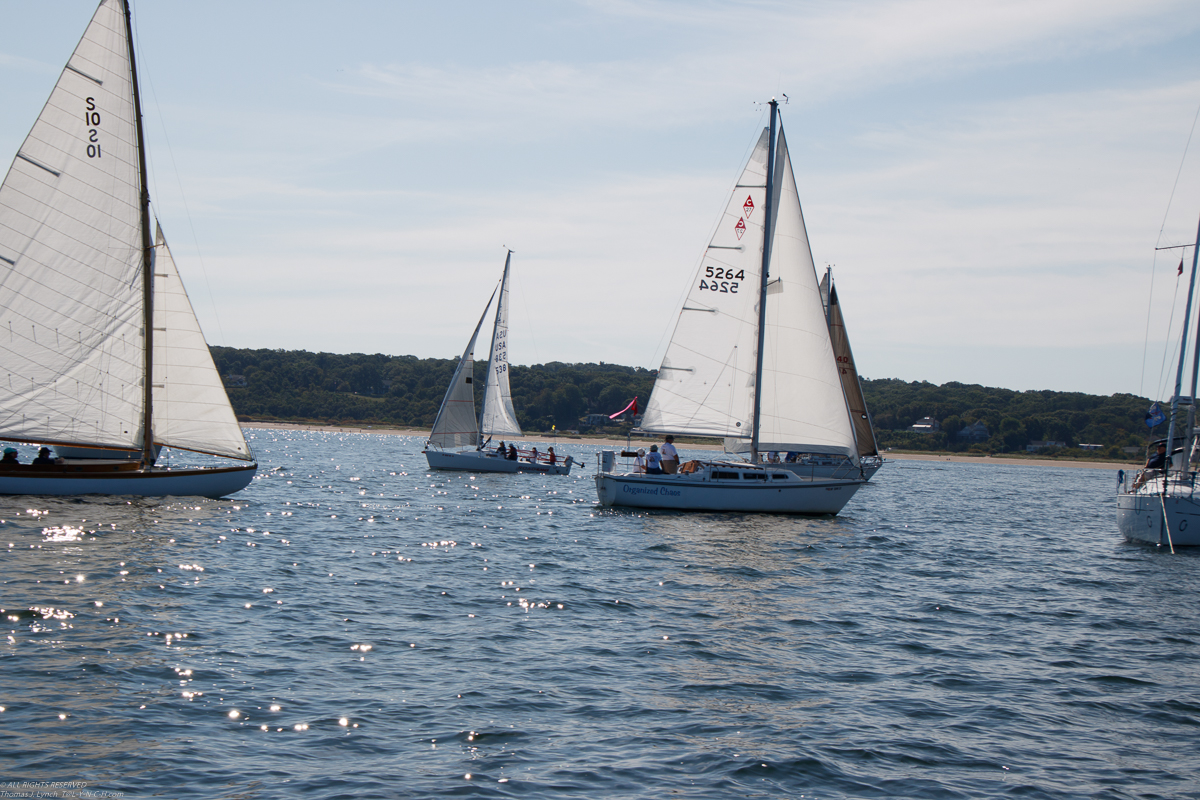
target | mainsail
[
  {"x": 864, "y": 431},
  {"x": 191, "y": 408},
  {"x": 706, "y": 384},
  {"x": 71, "y": 295},
  {"x": 497, "y": 418},
  {"x": 455, "y": 425}
]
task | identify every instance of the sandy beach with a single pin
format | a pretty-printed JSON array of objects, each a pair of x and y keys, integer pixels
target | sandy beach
[{"x": 621, "y": 443}]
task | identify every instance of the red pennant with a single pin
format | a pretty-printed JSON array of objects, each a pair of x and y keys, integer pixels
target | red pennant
[{"x": 632, "y": 406}]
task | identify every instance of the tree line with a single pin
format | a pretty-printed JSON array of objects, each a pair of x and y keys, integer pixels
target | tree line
[{"x": 360, "y": 389}]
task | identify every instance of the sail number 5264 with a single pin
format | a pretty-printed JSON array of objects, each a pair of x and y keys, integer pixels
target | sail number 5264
[{"x": 720, "y": 279}]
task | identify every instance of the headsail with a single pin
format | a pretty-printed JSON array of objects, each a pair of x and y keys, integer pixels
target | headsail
[
  {"x": 191, "y": 408},
  {"x": 455, "y": 425},
  {"x": 497, "y": 417},
  {"x": 864, "y": 432},
  {"x": 803, "y": 405},
  {"x": 705, "y": 386},
  {"x": 71, "y": 300}
]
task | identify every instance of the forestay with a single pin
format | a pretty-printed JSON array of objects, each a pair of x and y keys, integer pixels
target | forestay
[
  {"x": 498, "y": 417},
  {"x": 71, "y": 301},
  {"x": 191, "y": 408},
  {"x": 705, "y": 386}
]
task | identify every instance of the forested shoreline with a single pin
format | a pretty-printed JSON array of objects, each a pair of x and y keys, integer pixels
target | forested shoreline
[{"x": 361, "y": 389}]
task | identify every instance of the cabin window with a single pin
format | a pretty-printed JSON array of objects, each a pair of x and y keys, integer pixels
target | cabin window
[
  {"x": 725, "y": 476},
  {"x": 754, "y": 476},
  {"x": 779, "y": 476}
]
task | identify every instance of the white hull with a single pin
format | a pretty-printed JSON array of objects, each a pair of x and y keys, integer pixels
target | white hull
[
  {"x": 701, "y": 491},
  {"x": 1140, "y": 514},
  {"x": 838, "y": 471},
  {"x": 488, "y": 461},
  {"x": 67, "y": 480}
]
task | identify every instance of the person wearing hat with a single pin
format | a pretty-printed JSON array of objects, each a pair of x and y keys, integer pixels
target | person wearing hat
[
  {"x": 670, "y": 458},
  {"x": 639, "y": 463},
  {"x": 10, "y": 456},
  {"x": 44, "y": 457},
  {"x": 653, "y": 461}
]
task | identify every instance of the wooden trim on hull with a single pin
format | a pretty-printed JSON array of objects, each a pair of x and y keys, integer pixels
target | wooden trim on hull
[
  {"x": 124, "y": 479},
  {"x": 680, "y": 493}
]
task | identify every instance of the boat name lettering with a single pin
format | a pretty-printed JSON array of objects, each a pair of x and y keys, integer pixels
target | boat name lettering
[
  {"x": 91, "y": 117},
  {"x": 663, "y": 491}
]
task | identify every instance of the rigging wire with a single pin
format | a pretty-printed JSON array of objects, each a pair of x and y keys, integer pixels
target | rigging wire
[
  {"x": 1154, "y": 263},
  {"x": 147, "y": 81}
]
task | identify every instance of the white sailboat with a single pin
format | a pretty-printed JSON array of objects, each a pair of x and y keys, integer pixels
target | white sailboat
[
  {"x": 101, "y": 348},
  {"x": 457, "y": 439},
  {"x": 1160, "y": 506},
  {"x": 831, "y": 466},
  {"x": 750, "y": 361}
]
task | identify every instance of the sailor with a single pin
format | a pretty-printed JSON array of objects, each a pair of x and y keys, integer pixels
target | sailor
[
  {"x": 670, "y": 458},
  {"x": 1159, "y": 459},
  {"x": 43, "y": 456},
  {"x": 653, "y": 461},
  {"x": 10, "y": 456}
]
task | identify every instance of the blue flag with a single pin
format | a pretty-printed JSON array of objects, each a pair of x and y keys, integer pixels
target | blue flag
[{"x": 1154, "y": 416}]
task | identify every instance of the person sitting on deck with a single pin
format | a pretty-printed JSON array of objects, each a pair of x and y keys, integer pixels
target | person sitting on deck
[
  {"x": 551, "y": 457},
  {"x": 639, "y": 463},
  {"x": 10, "y": 456},
  {"x": 1159, "y": 459},
  {"x": 512, "y": 452},
  {"x": 533, "y": 457},
  {"x": 1156, "y": 462},
  {"x": 654, "y": 461},
  {"x": 44, "y": 457},
  {"x": 502, "y": 451}
]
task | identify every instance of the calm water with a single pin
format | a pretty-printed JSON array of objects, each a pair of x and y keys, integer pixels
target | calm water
[{"x": 354, "y": 626}]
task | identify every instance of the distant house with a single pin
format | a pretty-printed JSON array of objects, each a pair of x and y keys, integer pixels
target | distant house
[
  {"x": 1090, "y": 446},
  {"x": 1033, "y": 447},
  {"x": 975, "y": 432},
  {"x": 596, "y": 419},
  {"x": 926, "y": 425},
  {"x": 235, "y": 381}
]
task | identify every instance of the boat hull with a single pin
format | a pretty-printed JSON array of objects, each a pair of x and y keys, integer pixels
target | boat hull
[
  {"x": 839, "y": 471},
  {"x": 124, "y": 479},
  {"x": 487, "y": 461},
  {"x": 687, "y": 493},
  {"x": 1140, "y": 517}
]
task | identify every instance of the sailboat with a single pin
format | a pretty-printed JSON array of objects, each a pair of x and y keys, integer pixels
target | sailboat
[
  {"x": 101, "y": 349},
  {"x": 750, "y": 361},
  {"x": 833, "y": 466},
  {"x": 457, "y": 439},
  {"x": 1159, "y": 505}
]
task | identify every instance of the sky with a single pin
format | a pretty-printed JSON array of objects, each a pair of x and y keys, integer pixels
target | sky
[{"x": 988, "y": 181}]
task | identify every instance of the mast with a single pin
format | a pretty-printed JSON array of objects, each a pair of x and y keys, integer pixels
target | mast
[
  {"x": 1187, "y": 316},
  {"x": 762, "y": 292},
  {"x": 147, "y": 258}
]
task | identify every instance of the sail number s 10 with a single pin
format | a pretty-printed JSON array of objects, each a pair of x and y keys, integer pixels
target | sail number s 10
[
  {"x": 720, "y": 279},
  {"x": 91, "y": 118}
]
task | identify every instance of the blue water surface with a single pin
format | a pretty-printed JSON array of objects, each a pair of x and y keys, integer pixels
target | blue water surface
[{"x": 355, "y": 626}]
